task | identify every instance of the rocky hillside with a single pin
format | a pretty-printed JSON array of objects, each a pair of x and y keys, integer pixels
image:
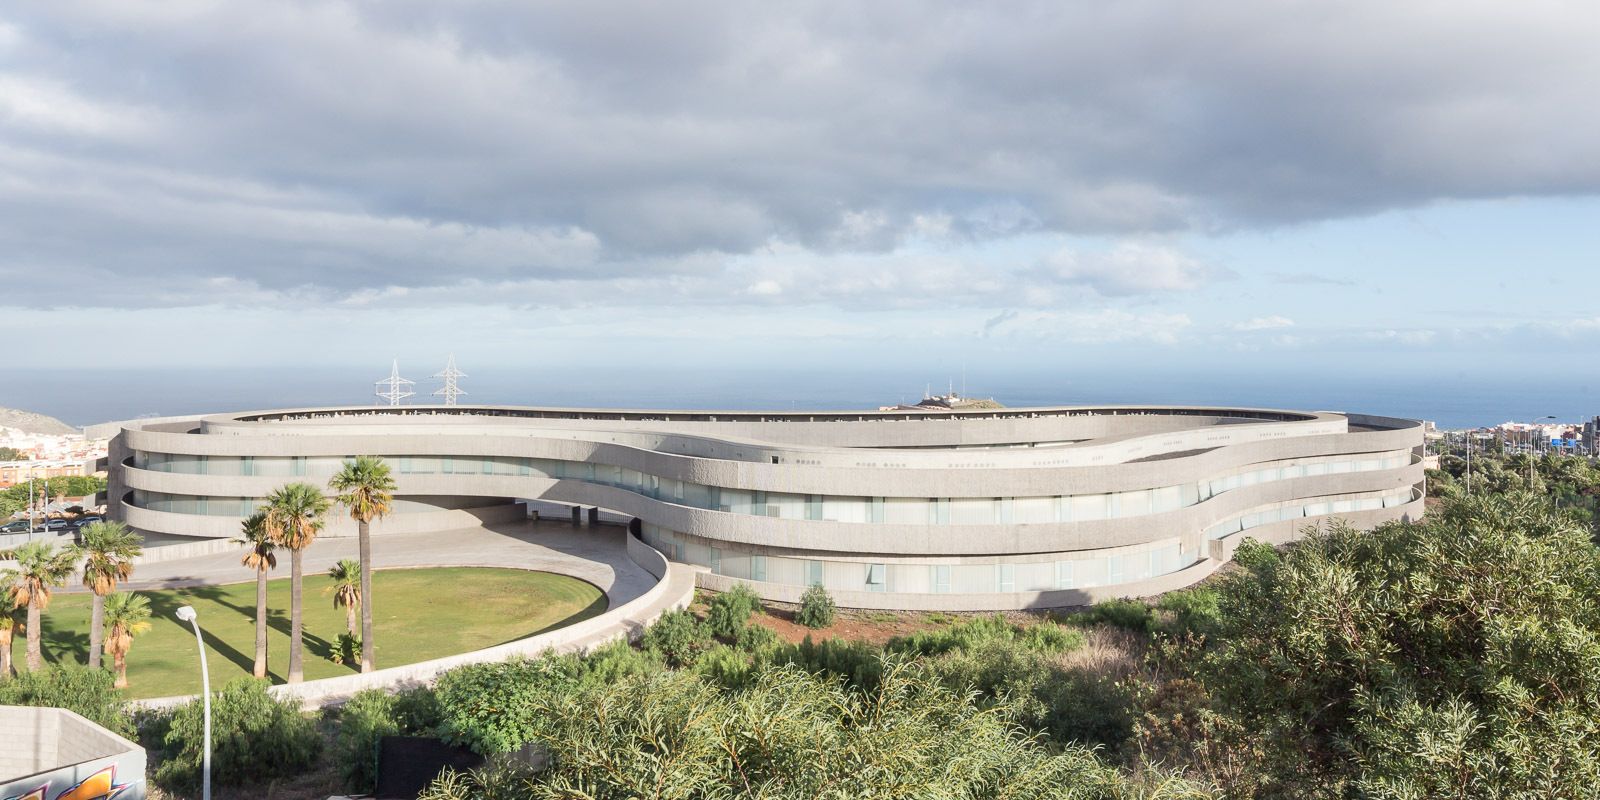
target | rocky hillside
[{"x": 30, "y": 422}]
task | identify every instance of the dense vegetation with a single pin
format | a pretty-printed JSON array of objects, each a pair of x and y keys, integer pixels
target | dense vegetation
[
  {"x": 1454, "y": 657},
  {"x": 15, "y": 498}
]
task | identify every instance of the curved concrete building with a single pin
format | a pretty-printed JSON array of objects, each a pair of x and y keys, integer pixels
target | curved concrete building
[{"x": 953, "y": 510}]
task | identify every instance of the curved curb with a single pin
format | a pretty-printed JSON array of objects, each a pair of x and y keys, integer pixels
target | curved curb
[{"x": 673, "y": 590}]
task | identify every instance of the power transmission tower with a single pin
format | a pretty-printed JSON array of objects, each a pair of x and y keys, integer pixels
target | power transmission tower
[
  {"x": 394, "y": 388},
  {"x": 450, "y": 390}
]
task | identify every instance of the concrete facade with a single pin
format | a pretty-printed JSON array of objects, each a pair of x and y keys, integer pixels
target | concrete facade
[
  {"x": 55, "y": 754},
  {"x": 977, "y": 510}
]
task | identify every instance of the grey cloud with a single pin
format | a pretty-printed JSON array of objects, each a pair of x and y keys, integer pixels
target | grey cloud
[{"x": 359, "y": 146}]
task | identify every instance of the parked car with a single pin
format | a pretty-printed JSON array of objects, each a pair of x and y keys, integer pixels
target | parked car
[
  {"x": 56, "y": 525},
  {"x": 90, "y": 520},
  {"x": 20, "y": 526}
]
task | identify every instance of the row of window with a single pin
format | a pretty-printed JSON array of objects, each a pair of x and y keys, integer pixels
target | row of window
[
  {"x": 785, "y": 505},
  {"x": 1080, "y": 573},
  {"x": 1293, "y": 512},
  {"x": 1084, "y": 572},
  {"x": 244, "y": 506}
]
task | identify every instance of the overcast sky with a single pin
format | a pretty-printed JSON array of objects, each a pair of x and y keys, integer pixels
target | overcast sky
[{"x": 1354, "y": 185}]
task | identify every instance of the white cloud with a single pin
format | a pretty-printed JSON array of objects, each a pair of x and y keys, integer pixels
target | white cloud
[
  {"x": 1131, "y": 269},
  {"x": 1273, "y": 322}
]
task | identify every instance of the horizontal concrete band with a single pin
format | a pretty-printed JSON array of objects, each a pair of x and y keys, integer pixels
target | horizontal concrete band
[
  {"x": 787, "y": 533},
  {"x": 1273, "y": 533},
  {"x": 1022, "y": 453}
]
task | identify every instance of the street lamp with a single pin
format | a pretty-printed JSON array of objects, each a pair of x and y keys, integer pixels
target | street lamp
[{"x": 187, "y": 614}]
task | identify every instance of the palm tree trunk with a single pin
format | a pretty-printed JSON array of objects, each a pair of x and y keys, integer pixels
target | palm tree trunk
[
  {"x": 260, "y": 670},
  {"x": 5, "y": 651},
  {"x": 350, "y": 619},
  {"x": 121, "y": 662},
  {"x": 363, "y": 528},
  {"x": 295, "y": 674},
  {"x": 35, "y": 659},
  {"x": 97, "y": 624}
]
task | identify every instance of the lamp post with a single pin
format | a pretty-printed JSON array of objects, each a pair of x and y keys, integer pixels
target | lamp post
[{"x": 187, "y": 614}]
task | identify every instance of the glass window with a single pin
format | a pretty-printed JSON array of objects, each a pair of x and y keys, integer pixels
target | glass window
[
  {"x": 813, "y": 506},
  {"x": 1114, "y": 569},
  {"x": 1026, "y": 510},
  {"x": 716, "y": 560},
  {"x": 758, "y": 568},
  {"x": 941, "y": 578},
  {"x": 837, "y": 508},
  {"x": 1133, "y": 504},
  {"x": 876, "y": 577},
  {"x": 906, "y": 510},
  {"x": 972, "y": 511},
  {"x": 1005, "y": 577},
  {"x": 1089, "y": 506},
  {"x": 813, "y": 573},
  {"x": 1063, "y": 574}
]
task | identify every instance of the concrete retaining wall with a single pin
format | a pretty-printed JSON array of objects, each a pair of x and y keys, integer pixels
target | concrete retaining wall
[{"x": 674, "y": 590}]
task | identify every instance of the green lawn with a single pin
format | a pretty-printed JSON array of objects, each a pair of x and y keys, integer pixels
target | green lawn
[{"x": 420, "y": 614}]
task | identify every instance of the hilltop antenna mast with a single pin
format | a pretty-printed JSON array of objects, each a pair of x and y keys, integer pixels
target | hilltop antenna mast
[
  {"x": 450, "y": 390},
  {"x": 394, "y": 388}
]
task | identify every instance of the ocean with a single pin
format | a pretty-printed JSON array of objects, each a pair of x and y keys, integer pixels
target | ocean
[{"x": 82, "y": 397}]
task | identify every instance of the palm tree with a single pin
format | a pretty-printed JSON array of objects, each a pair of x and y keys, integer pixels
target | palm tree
[
  {"x": 109, "y": 549},
  {"x": 258, "y": 555},
  {"x": 296, "y": 513},
  {"x": 40, "y": 568},
  {"x": 346, "y": 589},
  {"x": 127, "y": 616},
  {"x": 8, "y": 622},
  {"x": 366, "y": 488}
]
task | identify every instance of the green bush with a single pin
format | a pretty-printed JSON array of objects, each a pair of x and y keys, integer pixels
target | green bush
[
  {"x": 254, "y": 739},
  {"x": 489, "y": 707},
  {"x": 1188, "y": 611},
  {"x": 74, "y": 687},
  {"x": 1043, "y": 637},
  {"x": 1131, "y": 615},
  {"x": 728, "y": 612},
  {"x": 1418, "y": 659},
  {"x": 366, "y": 718},
  {"x": 726, "y": 666},
  {"x": 612, "y": 662},
  {"x": 816, "y": 608},
  {"x": 758, "y": 639},
  {"x": 678, "y": 637},
  {"x": 859, "y": 663},
  {"x": 789, "y": 734},
  {"x": 363, "y": 721}
]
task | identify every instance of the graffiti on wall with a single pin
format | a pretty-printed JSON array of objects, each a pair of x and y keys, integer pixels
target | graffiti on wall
[{"x": 101, "y": 785}]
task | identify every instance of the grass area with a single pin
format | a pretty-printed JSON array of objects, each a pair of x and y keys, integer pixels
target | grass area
[{"x": 419, "y": 614}]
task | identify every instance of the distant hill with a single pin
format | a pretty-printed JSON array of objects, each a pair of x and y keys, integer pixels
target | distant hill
[{"x": 29, "y": 422}]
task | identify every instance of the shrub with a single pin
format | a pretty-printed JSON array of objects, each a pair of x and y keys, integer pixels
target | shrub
[
  {"x": 757, "y": 639},
  {"x": 788, "y": 735},
  {"x": 73, "y": 687},
  {"x": 1131, "y": 615},
  {"x": 728, "y": 612},
  {"x": 678, "y": 637},
  {"x": 363, "y": 722},
  {"x": 254, "y": 739},
  {"x": 613, "y": 662},
  {"x": 724, "y": 665},
  {"x": 857, "y": 662},
  {"x": 1188, "y": 611},
  {"x": 1043, "y": 637},
  {"x": 489, "y": 707},
  {"x": 816, "y": 608},
  {"x": 1419, "y": 658},
  {"x": 347, "y": 650}
]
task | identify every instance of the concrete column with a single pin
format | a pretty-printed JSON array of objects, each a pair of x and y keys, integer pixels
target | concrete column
[
  {"x": 577, "y": 516},
  {"x": 594, "y": 516}
]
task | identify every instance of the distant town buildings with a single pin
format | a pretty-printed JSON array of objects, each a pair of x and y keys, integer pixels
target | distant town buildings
[{"x": 48, "y": 455}]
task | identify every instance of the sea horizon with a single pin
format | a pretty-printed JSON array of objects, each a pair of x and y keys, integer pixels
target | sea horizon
[{"x": 80, "y": 397}]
